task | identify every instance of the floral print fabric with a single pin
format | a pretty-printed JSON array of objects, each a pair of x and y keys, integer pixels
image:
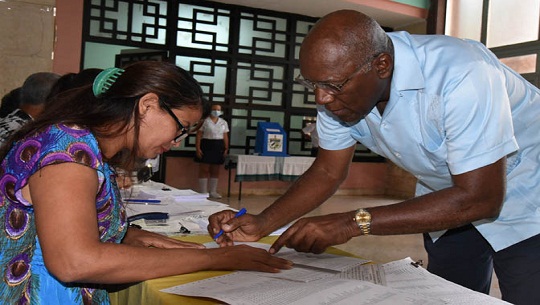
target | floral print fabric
[{"x": 25, "y": 279}]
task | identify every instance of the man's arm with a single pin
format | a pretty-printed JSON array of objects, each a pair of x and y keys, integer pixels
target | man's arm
[
  {"x": 318, "y": 183},
  {"x": 313, "y": 188},
  {"x": 475, "y": 195}
]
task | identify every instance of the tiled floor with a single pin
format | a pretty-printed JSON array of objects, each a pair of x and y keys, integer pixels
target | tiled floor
[{"x": 379, "y": 248}]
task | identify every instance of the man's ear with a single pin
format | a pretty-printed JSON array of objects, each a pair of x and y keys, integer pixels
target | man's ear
[
  {"x": 147, "y": 102},
  {"x": 384, "y": 65}
]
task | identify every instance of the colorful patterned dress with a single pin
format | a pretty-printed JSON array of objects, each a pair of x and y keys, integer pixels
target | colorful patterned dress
[{"x": 25, "y": 279}]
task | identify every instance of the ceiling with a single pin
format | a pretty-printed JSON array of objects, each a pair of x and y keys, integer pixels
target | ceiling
[{"x": 388, "y": 13}]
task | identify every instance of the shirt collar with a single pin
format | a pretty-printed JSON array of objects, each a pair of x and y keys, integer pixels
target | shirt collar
[{"x": 407, "y": 74}]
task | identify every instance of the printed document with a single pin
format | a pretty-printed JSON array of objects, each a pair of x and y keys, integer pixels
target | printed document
[{"x": 334, "y": 279}]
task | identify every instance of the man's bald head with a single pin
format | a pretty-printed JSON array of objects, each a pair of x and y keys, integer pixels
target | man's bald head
[{"x": 345, "y": 35}]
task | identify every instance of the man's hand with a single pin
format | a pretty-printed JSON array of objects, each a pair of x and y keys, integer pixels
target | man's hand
[
  {"x": 244, "y": 228},
  {"x": 315, "y": 234}
]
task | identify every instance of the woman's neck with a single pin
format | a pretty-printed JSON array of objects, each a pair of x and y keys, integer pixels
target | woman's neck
[{"x": 111, "y": 146}]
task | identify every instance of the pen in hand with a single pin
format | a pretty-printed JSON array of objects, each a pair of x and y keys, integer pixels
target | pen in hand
[{"x": 240, "y": 213}]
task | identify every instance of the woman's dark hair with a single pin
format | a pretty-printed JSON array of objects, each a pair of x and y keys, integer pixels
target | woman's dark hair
[
  {"x": 10, "y": 102},
  {"x": 117, "y": 107}
]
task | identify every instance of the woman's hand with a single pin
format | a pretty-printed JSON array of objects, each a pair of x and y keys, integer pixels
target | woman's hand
[
  {"x": 244, "y": 257},
  {"x": 143, "y": 238}
]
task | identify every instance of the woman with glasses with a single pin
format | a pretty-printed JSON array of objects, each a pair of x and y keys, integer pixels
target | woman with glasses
[{"x": 63, "y": 230}]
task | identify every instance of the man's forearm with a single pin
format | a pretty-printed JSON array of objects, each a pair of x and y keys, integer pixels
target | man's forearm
[{"x": 306, "y": 194}]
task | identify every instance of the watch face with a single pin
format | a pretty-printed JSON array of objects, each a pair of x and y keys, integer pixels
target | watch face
[
  {"x": 363, "y": 217},
  {"x": 363, "y": 220}
]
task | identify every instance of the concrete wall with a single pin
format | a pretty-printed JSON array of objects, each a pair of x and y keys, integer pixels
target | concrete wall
[{"x": 27, "y": 35}]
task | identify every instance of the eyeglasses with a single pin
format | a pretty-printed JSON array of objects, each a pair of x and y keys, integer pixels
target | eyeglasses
[
  {"x": 332, "y": 88},
  {"x": 184, "y": 132}
]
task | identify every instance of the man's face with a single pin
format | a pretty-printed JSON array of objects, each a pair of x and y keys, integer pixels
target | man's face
[{"x": 360, "y": 87}]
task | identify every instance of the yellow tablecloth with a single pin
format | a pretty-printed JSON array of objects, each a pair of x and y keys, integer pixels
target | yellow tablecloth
[{"x": 148, "y": 292}]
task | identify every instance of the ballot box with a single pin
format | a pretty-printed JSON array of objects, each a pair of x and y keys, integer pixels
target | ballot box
[{"x": 270, "y": 140}]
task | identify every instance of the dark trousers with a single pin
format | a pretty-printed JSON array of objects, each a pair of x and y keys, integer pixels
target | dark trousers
[{"x": 464, "y": 257}]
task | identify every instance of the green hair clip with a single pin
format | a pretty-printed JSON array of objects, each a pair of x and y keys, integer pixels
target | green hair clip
[{"x": 105, "y": 80}]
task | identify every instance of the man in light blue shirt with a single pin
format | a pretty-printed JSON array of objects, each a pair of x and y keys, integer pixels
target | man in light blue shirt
[{"x": 447, "y": 111}]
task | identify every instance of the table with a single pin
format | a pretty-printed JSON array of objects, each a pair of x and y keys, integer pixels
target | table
[
  {"x": 265, "y": 168},
  {"x": 148, "y": 292},
  {"x": 404, "y": 283},
  {"x": 403, "y": 275}
]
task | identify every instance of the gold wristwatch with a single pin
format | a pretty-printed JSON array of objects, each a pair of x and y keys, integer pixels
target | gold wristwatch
[{"x": 363, "y": 220}]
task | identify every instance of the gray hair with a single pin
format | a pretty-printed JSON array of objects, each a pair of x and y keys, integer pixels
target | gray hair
[{"x": 36, "y": 88}]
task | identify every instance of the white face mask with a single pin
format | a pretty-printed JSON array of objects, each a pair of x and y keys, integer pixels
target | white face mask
[{"x": 216, "y": 113}]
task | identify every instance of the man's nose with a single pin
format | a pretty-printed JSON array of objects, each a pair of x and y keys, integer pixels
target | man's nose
[{"x": 322, "y": 97}]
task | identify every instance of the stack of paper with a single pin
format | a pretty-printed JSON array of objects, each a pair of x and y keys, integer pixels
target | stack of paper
[
  {"x": 186, "y": 208},
  {"x": 332, "y": 279}
]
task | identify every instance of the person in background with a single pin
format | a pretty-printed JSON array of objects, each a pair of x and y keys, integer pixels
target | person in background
[
  {"x": 33, "y": 96},
  {"x": 10, "y": 102},
  {"x": 447, "y": 111},
  {"x": 310, "y": 132},
  {"x": 63, "y": 231},
  {"x": 71, "y": 81},
  {"x": 212, "y": 146}
]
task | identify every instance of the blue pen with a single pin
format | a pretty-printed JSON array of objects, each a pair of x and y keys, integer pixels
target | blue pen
[
  {"x": 150, "y": 201},
  {"x": 240, "y": 213}
]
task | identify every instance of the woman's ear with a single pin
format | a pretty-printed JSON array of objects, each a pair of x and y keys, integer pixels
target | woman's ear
[
  {"x": 384, "y": 65},
  {"x": 148, "y": 102}
]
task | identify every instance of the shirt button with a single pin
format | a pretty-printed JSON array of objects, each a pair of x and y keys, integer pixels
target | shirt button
[{"x": 397, "y": 155}]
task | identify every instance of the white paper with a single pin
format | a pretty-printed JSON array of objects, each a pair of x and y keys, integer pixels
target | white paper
[
  {"x": 247, "y": 288},
  {"x": 307, "y": 266},
  {"x": 405, "y": 284},
  {"x": 373, "y": 273},
  {"x": 402, "y": 275},
  {"x": 328, "y": 261},
  {"x": 185, "y": 208}
]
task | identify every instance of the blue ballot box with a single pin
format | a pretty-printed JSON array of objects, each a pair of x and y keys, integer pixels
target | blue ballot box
[{"x": 271, "y": 139}]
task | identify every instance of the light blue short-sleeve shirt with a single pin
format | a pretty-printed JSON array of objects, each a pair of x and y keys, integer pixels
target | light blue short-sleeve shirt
[{"x": 454, "y": 108}]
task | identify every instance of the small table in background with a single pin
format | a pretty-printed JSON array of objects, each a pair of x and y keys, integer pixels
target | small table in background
[{"x": 265, "y": 168}]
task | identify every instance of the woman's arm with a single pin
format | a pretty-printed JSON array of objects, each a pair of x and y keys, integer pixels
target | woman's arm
[
  {"x": 226, "y": 143},
  {"x": 198, "y": 139},
  {"x": 63, "y": 196}
]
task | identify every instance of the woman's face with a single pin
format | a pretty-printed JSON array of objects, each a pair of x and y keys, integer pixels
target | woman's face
[{"x": 159, "y": 128}]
